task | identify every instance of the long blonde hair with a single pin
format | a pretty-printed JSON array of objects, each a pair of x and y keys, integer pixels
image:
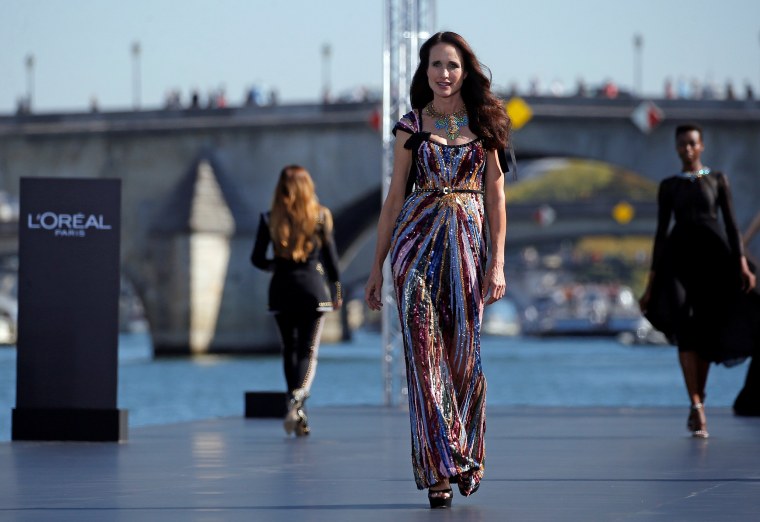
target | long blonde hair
[{"x": 295, "y": 215}]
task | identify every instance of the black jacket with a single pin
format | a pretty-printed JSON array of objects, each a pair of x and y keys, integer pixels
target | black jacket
[{"x": 299, "y": 286}]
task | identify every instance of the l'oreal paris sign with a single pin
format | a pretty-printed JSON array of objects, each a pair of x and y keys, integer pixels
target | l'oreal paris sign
[{"x": 67, "y": 225}]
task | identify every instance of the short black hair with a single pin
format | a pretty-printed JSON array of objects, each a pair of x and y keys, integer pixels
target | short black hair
[{"x": 688, "y": 127}]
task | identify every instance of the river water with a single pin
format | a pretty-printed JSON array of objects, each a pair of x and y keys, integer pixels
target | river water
[{"x": 519, "y": 370}]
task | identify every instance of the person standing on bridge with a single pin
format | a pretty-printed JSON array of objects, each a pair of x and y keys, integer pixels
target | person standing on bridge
[
  {"x": 699, "y": 292},
  {"x": 446, "y": 195},
  {"x": 300, "y": 232}
]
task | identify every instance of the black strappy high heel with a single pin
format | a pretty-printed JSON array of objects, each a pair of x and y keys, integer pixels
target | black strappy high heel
[
  {"x": 466, "y": 493},
  {"x": 440, "y": 498}
]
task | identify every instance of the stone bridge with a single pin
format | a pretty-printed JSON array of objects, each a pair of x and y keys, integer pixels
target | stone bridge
[{"x": 194, "y": 182}]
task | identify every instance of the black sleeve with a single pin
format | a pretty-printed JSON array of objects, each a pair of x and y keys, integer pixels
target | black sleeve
[
  {"x": 259, "y": 254},
  {"x": 664, "y": 211},
  {"x": 729, "y": 220},
  {"x": 413, "y": 144},
  {"x": 503, "y": 160},
  {"x": 330, "y": 257}
]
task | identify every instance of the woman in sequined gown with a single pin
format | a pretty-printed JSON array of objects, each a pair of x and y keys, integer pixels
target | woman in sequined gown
[
  {"x": 444, "y": 204},
  {"x": 700, "y": 289}
]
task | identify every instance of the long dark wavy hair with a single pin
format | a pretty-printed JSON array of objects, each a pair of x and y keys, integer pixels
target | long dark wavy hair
[{"x": 487, "y": 116}]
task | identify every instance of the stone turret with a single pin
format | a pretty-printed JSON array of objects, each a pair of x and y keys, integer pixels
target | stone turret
[{"x": 200, "y": 241}]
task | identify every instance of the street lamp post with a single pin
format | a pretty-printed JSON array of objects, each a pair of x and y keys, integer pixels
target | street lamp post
[
  {"x": 638, "y": 43},
  {"x": 29, "y": 81},
  {"x": 326, "y": 56},
  {"x": 136, "y": 75}
]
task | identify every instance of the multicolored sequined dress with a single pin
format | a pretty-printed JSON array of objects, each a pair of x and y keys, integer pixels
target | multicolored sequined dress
[{"x": 438, "y": 257}]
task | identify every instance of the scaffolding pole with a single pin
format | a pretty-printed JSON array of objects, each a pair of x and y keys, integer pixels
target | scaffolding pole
[{"x": 407, "y": 24}]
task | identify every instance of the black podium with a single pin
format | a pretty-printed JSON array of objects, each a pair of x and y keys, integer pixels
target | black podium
[{"x": 68, "y": 298}]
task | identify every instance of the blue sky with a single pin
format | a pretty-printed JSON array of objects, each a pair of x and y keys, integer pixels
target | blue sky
[{"x": 81, "y": 48}]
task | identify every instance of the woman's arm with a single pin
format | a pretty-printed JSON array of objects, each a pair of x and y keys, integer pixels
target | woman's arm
[
  {"x": 402, "y": 162},
  {"x": 664, "y": 211},
  {"x": 259, "y": 254},
  {"x": 329, "y": 257},
  {"x": 496, "y": 213}
]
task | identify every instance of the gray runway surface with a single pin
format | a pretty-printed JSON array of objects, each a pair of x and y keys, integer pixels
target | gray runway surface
[{"x": 543, "y": 464}]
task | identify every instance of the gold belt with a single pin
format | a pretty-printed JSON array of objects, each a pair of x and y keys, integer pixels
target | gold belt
[{"x": 445, "y": 191}]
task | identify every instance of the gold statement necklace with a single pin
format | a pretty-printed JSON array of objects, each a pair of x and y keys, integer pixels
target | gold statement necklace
[{"x": 450, "y": 122}]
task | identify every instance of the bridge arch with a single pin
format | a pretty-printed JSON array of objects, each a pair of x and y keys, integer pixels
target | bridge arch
[{"x": 150, "y": 152}]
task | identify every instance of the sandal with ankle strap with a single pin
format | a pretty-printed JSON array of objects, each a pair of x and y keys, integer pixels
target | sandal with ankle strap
[
  {"x": 463, "y": 489},
  {"x": 440, "y": 498},
  {"x": 697, "y": 424}
]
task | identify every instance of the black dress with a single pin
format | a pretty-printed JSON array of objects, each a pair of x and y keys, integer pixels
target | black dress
[
  {"x": 299, "y": 286},
  {"x": 697, "y": 300}
]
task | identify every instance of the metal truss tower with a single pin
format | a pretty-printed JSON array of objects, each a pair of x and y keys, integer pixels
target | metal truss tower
[{"x": 408, "y": 23}]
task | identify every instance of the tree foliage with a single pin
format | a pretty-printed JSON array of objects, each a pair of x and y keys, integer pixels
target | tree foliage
[{"x": 578, "y": 180}]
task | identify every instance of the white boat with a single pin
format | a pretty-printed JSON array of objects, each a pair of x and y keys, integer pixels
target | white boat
[
  {"x": 592, "y": 309},
  {"x": 501, "y": 318}
]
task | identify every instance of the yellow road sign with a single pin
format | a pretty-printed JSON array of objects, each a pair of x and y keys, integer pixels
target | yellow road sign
[
  {"x": 623, "y": 212},
  {"x": 519, "y": 112}
]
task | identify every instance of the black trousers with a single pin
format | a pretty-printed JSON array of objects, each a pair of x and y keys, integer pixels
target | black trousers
[
  {"x": 300, "y": 334},
  {"x": 747, "y": 403}
]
